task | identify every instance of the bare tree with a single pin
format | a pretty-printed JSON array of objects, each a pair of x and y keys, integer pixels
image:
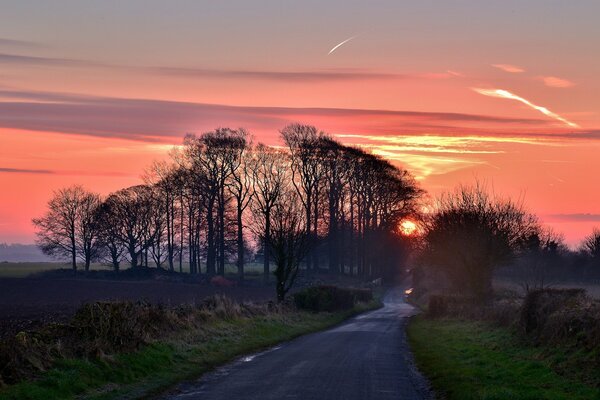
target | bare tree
[
  {"x": 304, "y": 145},
  {"x": 131, "y": 211},
  {"x": 88, "y": 228},
  {"x": 164, "y": 177},
  {"x": 269, "y": 179},
  {"x": 241, "y": 188},
  {"x": 111, "y": 247},
  {"x": 591, "y": 244},
  {"x": 69, "y": 229},
  {"x": 288, "y": 242},
  {"x": 213, "y": 155}
]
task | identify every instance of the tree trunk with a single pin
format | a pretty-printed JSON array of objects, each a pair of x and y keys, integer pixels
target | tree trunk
[
  {"x": 181, "y": 234},
  {"x": 308, "y": 229},
  {"x": 221, "y": 213},
  {"x": 87, "y": 261},
  {"x": 133, "y": 256},
  {"x": 240, "y": 244},
  {"x": 267, "y": 248},
  {"x": 210, "y": 238},
  {"x": 73, "y": 254}
]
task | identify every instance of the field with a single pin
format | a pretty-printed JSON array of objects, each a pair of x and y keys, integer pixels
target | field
[
  {"x": 21, "y": 270},
  {"x": 27, "y": 302}
]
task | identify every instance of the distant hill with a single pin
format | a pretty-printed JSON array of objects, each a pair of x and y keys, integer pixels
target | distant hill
[{"x": 22, "y": 253}]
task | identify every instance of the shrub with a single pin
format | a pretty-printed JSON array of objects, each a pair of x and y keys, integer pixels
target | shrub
[
  {"x": 556, "y": 315},
  {"x": 540, "y": 304},
  {"x": 500, "y": 312},
  {"x": 330, "y": 298}
]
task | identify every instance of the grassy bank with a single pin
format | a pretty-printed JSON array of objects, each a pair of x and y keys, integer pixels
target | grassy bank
[
  {"x": 473, "y": 360},
  {"x": 166, "y": 362}
]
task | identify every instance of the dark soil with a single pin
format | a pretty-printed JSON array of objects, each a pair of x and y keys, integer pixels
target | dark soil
[
  {"x": 27, "y": 303},
  {"x": 54, "y": 296}
]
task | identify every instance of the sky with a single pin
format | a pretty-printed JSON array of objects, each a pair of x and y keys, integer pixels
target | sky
[{"x": 508, "y": 93}]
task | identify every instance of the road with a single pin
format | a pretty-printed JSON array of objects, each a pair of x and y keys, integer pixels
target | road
[{"x": 365, "y": 358}]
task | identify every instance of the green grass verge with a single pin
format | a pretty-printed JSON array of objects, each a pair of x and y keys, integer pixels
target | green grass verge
[
  {"x": 472, "y": 360},
  {"x": 162, "y": 364}
]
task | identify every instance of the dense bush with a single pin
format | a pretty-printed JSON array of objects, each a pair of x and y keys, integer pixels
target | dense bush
[{"x": 331, "y": 298}]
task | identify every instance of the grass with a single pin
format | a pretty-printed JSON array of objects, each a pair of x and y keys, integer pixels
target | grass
[
  {"x": 472, "y": 360},
  {"x": 162, "y": 364}
]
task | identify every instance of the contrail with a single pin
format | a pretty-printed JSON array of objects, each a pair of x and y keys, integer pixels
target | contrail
[
  {"x": 340, "y": 44},
  {"x": 505, "y": 94}
]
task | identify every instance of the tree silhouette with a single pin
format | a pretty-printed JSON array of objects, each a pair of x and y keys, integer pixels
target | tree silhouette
[
  {"x": 288, "y": 242},
  {"x": 471, "y": 233},
  {"x": 69, "y": 228}
]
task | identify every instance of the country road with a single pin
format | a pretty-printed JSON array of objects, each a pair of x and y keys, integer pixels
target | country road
[{"x": 366, "y": 357}]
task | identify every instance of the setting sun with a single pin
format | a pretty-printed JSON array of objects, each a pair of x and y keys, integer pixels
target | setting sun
[{"x": 408, "y": 227}]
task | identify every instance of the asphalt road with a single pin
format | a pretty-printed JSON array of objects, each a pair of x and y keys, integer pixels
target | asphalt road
[{"x": 365, "y": 358}]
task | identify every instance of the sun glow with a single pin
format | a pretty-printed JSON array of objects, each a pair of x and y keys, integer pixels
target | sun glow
[{"x": 408, "y": 227}]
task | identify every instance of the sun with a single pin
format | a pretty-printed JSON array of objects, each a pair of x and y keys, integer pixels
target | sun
[{"x": 408, "y": 227}]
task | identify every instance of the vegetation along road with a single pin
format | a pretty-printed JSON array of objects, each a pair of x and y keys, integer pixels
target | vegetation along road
[{"x": 365, "y": 358}]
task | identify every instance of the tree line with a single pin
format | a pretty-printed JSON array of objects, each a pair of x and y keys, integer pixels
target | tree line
[{"x": 220, "y": 196}]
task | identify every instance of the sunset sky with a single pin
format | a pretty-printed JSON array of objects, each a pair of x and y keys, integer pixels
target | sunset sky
[{"x": 505, "y": 92}]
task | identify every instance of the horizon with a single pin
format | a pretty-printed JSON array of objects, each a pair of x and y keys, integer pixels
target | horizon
[{"x": 92, "y": 94}]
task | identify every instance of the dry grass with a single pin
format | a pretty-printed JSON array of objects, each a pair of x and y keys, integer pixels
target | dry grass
[{"x": 104, "y": 328}]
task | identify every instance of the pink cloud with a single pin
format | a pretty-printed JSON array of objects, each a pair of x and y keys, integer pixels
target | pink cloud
[
  {"x": 553, "y": 81},
  {"x": 509, "y": 68}
]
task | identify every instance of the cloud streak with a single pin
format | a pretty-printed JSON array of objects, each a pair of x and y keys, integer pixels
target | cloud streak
[
  {"x": 505, "y": 94},
  {"x": 337, "y": 46},
  {"x": 155, "y": 120},
  {"x": 576, "y": 217},
  {"x": 16, "y": 59},
  {"x": 25, "y": 171},
  {"x": 339, "y": 74},
  {"x": 15, "y": 43},
  {"x": 54, "y": 172},
  {"x": 283, "y": 76},
  {"x": 513, "y": 69}
]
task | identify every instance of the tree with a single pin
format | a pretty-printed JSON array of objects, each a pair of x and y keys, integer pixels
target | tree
[
  {"x": 540, "y": 260},
  {"x": 241, "y": 188},
  {"x": 591, "y": 245},
  {"x": 164, "y": 177},
  {"x": 471, "y": 233},
  {"x": 110, "y": 247},
  {"x": 288, "y": 242},
  {"x": 269, "y": 179},
  {"x": 131, "y": 212},
  {"x": 213, "y": 156},
  {"x": 69, "y": 229},
  {"x": 88, "y": 228},
  {"x": 303, "y": 142}
]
